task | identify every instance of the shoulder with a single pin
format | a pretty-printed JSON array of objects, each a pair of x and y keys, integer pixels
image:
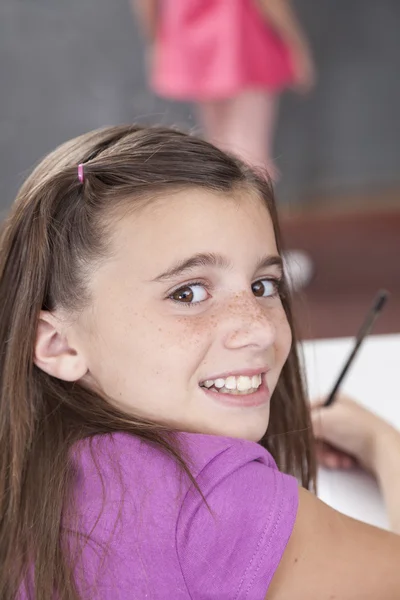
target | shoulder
[
  {"x": 120, "y": 464},
  {"x": 103, "y": 453},
  {"x": 232, "y": 540},
  {"x": 120, "y": 472},
  {"x": 203, "y": 450},
  {"x": 112, "y": 467},
  {"x": 130, "y": 495}
]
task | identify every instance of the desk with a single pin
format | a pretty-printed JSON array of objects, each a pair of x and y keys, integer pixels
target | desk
[{"x": 374, "y": 380}]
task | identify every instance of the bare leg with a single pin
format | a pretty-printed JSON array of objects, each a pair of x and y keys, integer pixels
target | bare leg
[
  {"x": 251, "y": 126},
  {"x": 245, "y": 126},
  {"x": 213, "y": 114}
]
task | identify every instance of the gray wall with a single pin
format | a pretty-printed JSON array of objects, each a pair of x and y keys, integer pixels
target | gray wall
[{"x": 67, "y": 66}]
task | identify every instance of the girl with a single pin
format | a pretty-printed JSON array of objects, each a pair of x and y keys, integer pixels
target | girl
[
  {"x": 232, "y": 58},
  {"x": 146, "y": 345}
]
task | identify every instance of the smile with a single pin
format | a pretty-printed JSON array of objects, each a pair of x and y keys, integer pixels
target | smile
[{"x": 236, "y": 385}]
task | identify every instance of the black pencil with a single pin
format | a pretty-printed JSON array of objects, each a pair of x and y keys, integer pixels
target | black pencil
[{"x": 366, "y": 328}]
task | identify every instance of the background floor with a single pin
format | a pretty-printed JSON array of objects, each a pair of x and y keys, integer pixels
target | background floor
[{"x": 355, "y": 255}]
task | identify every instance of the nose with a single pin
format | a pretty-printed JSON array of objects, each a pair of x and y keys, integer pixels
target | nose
[{"x": 248, "y": 323}]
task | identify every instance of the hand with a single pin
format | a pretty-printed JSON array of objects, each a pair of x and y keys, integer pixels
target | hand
[
  {"x": 347, "y": 434},
  {"x": 303, "y": 67}
]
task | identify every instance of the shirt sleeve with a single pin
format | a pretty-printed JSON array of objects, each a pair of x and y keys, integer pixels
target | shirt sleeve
[{"x": 232, "y": 547}]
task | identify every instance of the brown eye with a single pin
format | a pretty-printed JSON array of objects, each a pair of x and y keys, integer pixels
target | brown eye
[
  {"x": 265, "y": 288},
  {"x": 190, "y": 294},
  {"x": 184, "y": 294}
]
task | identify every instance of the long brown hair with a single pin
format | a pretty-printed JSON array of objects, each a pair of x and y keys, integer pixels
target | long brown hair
[{"x": 56, "y": 231}]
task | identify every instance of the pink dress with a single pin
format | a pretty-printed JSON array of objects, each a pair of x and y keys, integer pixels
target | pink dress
[{"x": 214, "y": 49}]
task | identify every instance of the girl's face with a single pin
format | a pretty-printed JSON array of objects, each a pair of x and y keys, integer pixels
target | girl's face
[{"x": 186, "y": 327}]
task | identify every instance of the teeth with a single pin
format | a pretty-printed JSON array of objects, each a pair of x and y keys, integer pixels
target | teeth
[
  {"x": 230, "y": 383},
  {"x": 224, "y": 390},
  {"x": 244, "y": 383},
  {"x": 235, "y": 385}
]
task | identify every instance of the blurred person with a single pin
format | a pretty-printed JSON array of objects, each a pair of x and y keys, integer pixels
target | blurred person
[{"x": 232, "y": 58}]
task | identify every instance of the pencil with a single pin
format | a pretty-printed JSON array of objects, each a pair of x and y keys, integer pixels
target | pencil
[{"x": 365, "y": 329}]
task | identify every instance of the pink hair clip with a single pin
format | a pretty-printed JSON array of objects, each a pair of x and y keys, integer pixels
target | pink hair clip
[{"x": 81, "y": 175}]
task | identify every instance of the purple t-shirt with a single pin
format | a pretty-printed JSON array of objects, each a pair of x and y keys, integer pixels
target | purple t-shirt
[{"x": 152, "y": 535}]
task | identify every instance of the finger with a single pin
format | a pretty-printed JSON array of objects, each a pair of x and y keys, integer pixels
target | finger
[
  {"x": 324, "y": 448},
  {"x": 344, "y": 462},
  {"x": 328, "y": 458},
  {"x": 348, "y": 462},
  {"x": 332, "y": 458},
  {"x": 331, "y": 461}
]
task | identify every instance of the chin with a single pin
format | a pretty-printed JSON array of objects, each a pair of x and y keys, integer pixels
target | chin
[{"x": 252, "y": 428}]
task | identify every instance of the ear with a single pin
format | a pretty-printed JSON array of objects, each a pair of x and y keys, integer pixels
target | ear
[{"x": 53, "y": 353}]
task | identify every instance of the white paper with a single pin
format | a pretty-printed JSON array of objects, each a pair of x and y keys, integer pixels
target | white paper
[{"x": 374, "y": 381}]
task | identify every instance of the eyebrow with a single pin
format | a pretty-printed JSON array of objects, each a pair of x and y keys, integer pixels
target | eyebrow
[{"x": 212, "y": 260}]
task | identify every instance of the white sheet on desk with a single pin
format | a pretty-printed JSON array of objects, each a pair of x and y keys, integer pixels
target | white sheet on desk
[{"x": 374, "y": 380}]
